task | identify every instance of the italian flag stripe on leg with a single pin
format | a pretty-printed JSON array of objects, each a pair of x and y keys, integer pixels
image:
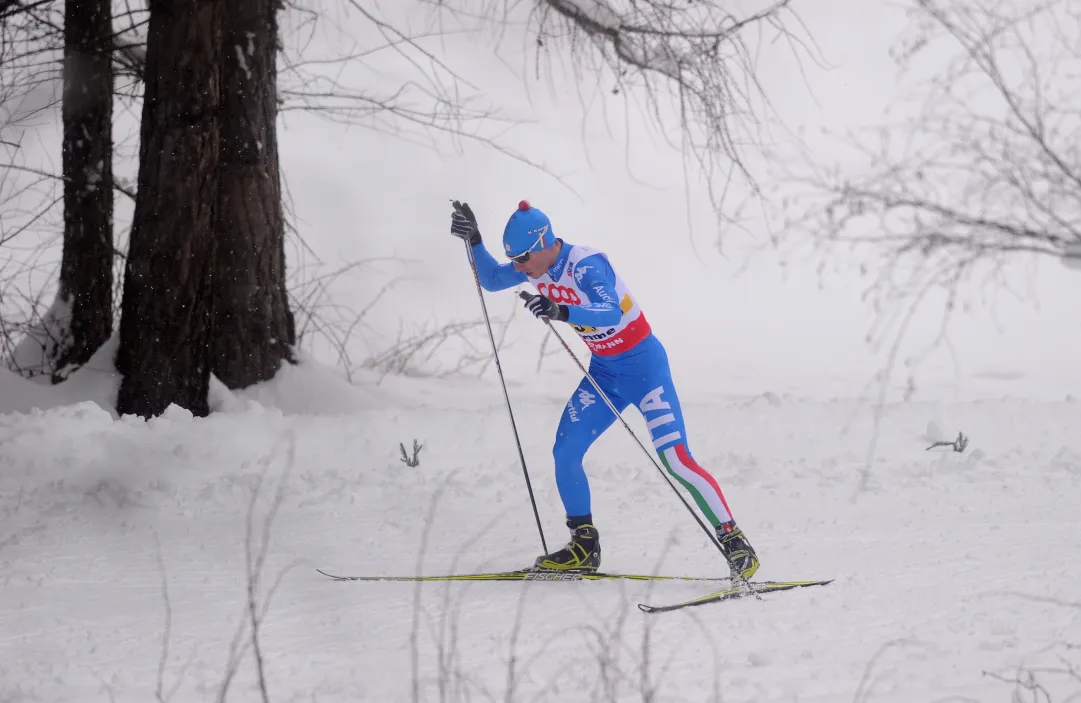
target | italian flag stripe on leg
[{"x": 702, "y": 487}]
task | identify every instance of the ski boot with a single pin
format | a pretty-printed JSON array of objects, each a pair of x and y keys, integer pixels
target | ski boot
[
  {"x": 742, "y": 561},
  {"x": 582, "y": 553}
]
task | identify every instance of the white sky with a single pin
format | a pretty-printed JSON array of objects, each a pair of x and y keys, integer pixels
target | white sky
[
  {"x": 361, "y": 194},
  {"x": 733, "y": 322}
]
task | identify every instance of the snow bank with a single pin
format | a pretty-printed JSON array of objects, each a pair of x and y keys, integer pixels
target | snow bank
[
  {"x": 96, "y": 382},
  {"x": 947, "y": 564},
  {"x": 307, "y": 388}
]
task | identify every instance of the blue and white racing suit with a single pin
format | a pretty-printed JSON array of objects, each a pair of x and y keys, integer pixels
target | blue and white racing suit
[{"x": 629, "y": 364}]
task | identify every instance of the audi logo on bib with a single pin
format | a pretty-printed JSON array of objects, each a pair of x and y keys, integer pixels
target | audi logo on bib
[{"x": 559, "y": 294}]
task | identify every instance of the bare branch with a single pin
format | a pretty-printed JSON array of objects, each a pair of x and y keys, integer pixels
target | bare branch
[
  {"x": 690, "y": 62},
  {"x": 436, "y": 103},
  {"x": 984, "y": 170}
]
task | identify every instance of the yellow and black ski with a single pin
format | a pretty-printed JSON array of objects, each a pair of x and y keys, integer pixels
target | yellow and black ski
[
  {"x": 531, "y": 575},
  {"x": 743, "y": 590}
]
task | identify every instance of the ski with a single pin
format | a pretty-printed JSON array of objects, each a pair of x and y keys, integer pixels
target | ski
[
  {"x": 734, "y": 592},
  {"x": 530, "y": 575}
]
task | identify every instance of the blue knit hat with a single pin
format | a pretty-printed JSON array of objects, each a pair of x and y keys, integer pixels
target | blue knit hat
[{"x": 528, "y": 229}]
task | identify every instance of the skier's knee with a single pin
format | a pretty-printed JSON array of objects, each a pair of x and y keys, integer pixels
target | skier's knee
[{"x": 566, "y": 453}]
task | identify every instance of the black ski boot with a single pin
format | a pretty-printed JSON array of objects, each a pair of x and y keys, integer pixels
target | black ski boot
[
  {"x": 582, "y": 553},
  {"x": 742, "y": 561}
]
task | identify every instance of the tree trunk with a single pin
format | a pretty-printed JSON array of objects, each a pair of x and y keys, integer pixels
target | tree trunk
[
  {"x": 253, "y": 327},
  {"x": 86, "y": 270},
  {"x": 166, "y": 311}
]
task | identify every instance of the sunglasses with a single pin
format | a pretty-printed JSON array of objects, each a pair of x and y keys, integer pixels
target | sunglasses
[{"x": 524, "y": 256}]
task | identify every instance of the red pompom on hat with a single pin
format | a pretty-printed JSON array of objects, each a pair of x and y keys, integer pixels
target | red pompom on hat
[{"x": 523, "y": 205}]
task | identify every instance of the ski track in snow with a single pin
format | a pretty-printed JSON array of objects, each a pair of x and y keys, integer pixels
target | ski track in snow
[{"x": 947, "y": 565}]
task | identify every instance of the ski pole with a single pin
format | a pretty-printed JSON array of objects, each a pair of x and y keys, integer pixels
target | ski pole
[
  {"x": 506, "y": 397},
  {"x": 712, "y": 538}
]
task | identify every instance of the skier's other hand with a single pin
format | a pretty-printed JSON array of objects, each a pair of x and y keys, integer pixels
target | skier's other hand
[
  {"x": 463, "y": 224},
  {"x": 546, "y": 309}
]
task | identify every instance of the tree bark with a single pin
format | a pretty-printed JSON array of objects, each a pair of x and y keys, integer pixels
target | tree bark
[
  {"x": 86, "y": 269},
  {"x": 166, "y": 312},
  {"x": 253, "y": 327}
]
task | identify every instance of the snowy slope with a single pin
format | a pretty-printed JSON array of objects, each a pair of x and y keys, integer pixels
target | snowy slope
[
  {"x": 122, "y": 542},
  {"x": 947, "y": 565}
]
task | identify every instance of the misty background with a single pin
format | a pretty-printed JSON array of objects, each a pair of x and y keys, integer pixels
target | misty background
[{"x": 740, "y": 313}]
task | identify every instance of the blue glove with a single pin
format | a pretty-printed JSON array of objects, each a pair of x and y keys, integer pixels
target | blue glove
[{"x": 546, "y": 309}]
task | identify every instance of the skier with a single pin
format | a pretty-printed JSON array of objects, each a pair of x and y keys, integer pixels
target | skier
[{"x": 577, "y": 285}]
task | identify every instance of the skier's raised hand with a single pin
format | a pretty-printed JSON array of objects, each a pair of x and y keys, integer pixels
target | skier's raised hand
[{"x": 463, "y": 224}]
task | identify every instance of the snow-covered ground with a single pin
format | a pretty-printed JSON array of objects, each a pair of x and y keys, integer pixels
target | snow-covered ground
[
  {"x": 123, "y": 563},
  {"x": 123, "y": 550}
]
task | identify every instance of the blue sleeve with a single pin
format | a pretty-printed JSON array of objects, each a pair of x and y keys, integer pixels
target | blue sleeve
[
  {"x": 494, "y": 275},
  {"x": 595, "y": 277}
]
